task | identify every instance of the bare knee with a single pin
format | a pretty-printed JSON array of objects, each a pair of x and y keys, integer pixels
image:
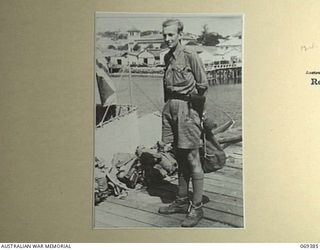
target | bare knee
[{"x": 194, "y": 161}]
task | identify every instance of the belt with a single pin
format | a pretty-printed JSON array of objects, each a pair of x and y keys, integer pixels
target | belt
[{"x": 178, "y": 96}]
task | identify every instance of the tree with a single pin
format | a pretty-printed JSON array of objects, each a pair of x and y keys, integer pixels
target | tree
[
  {"x": 111, "y": 47},
  {"x": 205, "y": 30},
  {"x": 122, "y": 36},
  {"x": 209, "y": 38},
  {"x": 136, "y": 47},
  {"x": 204, "y": 33}
]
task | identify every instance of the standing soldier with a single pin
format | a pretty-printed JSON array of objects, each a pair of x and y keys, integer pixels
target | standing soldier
[{"x": 185, "y": 86}]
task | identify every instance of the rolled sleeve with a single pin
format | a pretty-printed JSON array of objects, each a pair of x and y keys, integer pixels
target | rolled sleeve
[{"x": 199, "y": 73}]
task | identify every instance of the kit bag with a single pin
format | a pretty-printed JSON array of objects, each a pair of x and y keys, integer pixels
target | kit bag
[
  {"x": 156, "y": 162},
  {"x": 128, "y": 171},
  {"x": 212, "y": 155}
]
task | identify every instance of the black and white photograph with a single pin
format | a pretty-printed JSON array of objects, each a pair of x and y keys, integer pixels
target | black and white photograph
[{"x": 168, "y": 121}]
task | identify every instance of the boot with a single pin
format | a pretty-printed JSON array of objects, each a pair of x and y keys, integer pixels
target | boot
[
  {"x": 195, "y": 214},
  {"x": 180, "y": 205}
]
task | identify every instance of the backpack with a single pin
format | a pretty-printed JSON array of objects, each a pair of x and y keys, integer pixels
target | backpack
[
  {"x": 156, "y": 163},
  {"x": 128, "y": 170},
  {"x": 106, "y": 182},
  {"x": 212, "y": 156}
]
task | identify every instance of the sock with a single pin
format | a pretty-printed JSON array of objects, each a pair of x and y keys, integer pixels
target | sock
[
  {"x": 183, "y": 185},
  {"x": 197, "y": 184}
]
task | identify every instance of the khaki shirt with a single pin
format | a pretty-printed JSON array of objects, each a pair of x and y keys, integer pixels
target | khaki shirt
[{"x": 184, "y": 73}]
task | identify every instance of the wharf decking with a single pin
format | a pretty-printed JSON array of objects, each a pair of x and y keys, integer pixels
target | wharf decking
[{"x": 223, "y": 201}]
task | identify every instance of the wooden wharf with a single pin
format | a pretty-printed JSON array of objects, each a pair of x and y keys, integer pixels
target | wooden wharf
[
  {"x": 222, "y": 75},
  {"x": 222, "y": 198}
]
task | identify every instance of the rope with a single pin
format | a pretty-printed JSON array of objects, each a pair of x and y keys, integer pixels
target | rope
[
  {"x": 219, "y": 108},
  {"x": 122, "y": 72},
  {"x": 156, "y": 105}
]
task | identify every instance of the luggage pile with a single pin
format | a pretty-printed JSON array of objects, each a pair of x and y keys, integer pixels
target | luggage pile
[
  {"x": 151, "y": 166},
  {"x": 147, "y": 166}
]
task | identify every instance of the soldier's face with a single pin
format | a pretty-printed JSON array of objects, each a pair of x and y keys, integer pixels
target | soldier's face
[{"x": 171, "y": 36}]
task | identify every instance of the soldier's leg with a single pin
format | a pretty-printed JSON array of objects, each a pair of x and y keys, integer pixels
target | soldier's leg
[
  {"x": 181, "y": 204},
  {"x": 184, "y": 173},
  {"x": 196, "y": 174},
  {"x": 195, "y": 212}
]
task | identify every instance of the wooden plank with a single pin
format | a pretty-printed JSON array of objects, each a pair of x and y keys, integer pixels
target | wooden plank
[
  {"x": 168, "y": 194},
  {"x": 235, "y": 153},
  {"x": 230, "y": 172},
  {"x": 234, "y": 165},
  {"x": 230, "y": 219},
  {"x": 142, "y": 201},
  {"x": 153, "y": 208},
  {"x": 223, "y": 191},
  {"x": 235, "y": 159},
  {"x": 226, "y": 208},
  {"x": 142, "y": 216},
  {"x": 235, "y": 148},
  {"x": 227, "y": 189},
  {"x": 223, "y": 196},
  {"x": 218, "y": 176},
  {"x": 223, "y": 200},
  {"x": 221, "y": 183},
  {"x": 212, "y": 200}
]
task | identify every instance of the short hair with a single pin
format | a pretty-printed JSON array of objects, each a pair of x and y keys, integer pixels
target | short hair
[{"x": 170, "y": 22}]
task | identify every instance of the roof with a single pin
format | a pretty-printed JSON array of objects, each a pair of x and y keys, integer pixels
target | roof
[
  {"x": 150, "y": 37},
  {"x": 145, "y": 54},
  {"x": 234, "y": 41},
  {"x": 130, "y": 53},
  {"x": 156, "y": 53}
]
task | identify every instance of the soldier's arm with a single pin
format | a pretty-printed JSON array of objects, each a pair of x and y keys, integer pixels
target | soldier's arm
[
  {"x": 165, "y": 95},
  {"x": 199, "y": 73}
]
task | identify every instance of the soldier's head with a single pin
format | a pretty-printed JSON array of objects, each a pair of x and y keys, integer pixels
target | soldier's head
[{"x": 172, "y": 31}]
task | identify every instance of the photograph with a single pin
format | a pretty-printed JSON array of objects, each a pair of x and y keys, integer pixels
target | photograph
[{"x": 168, "y": 121}]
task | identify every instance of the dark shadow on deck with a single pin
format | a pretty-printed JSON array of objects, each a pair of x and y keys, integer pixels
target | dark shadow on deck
[{"x": 167, "y": 192}]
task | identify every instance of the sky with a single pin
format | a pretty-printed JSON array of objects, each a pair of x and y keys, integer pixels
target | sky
[{"x": 226, "y": 24}]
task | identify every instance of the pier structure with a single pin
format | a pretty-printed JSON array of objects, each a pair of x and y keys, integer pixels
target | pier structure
[{"x": 224, "y": 73}]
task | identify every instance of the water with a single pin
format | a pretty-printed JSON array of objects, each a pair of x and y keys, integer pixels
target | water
[{"x": 147, "y": 95}]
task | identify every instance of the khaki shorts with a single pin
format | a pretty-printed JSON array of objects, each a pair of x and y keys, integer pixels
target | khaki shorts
[{"x": 181, "y": 125}]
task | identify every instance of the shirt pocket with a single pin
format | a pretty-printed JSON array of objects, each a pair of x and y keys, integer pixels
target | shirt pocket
[{"x": 181, "y": 75}]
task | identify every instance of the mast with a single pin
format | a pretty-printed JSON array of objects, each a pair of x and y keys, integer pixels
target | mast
[{"x": 130, "y": 83}]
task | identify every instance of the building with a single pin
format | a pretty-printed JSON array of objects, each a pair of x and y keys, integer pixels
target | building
[
  {"x": 153, "y": 41},
  {"x": 156, "y": 54},
  {"x": 232, "y": 43},
  {"x": 133, "y": 34},
  {"x": 146, "y": 58},
  {"x": 123, "y": 58}
]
